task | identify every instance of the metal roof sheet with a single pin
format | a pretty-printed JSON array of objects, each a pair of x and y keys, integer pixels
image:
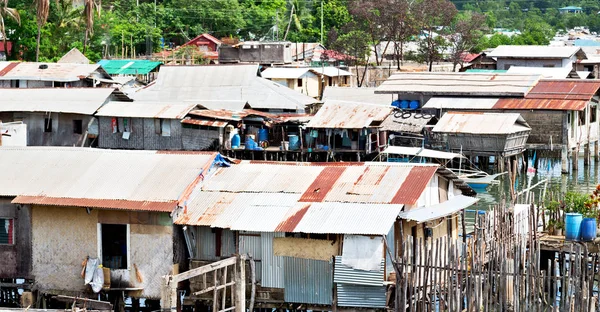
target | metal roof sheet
[
  {"x": 533, "y": 51},
  {"x": 397, "y": 122},
  {"x": 348, "y": 115},
  {"x": 330, "y": 71},
  {"x": 286, "y": 72},
  {"x": 344, "y": 274},
  {"x": 128, "y": 67},
  {"x": 545, "y": 72},
  {"x": 142, "y": 109},
  {"x": 413, "y": 184},
  {"x": 567, "y": 89},
  {"x": 97, "y": 174},
  {"x": 460, "y": 103},
  {"x": 222, "y": 83},
  {"x": 466, "y": 84},
  {"x": 60, "y": 100},
  {"x": 360, "y": 95},
  {"x": 204, "y": 122},
  {"x": 420, "y": 152},
  {"x": 540, "y": 104},
  {"x": 74, "y": 56},
  {"x": 97, "y": 203},
  {"x": 452, "y": 205},
  {"x": 481, "y": 123},
  {"x": 64, "y": 72}
]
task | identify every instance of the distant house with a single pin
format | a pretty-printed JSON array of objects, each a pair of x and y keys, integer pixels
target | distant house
[
  {"x": 74, "y": 56},
  {"x": 61, "y": 207},
  {"x": 322, "y": 235},
  {"x": 264, "y": 53},
  {"x": 478, "y": 61},
  {"x": 354, "y": 94},
  {"x": 570, "y": 9},
  {"x": 56, "y": 116},
  {"x": 308, "y": 80},
  {"x": 536, "y": 56},
  {"x": 143, "y": 70},
  {"x": 233, "y": 82},
  {"x": 207, "y": 44},
  {"x": 52, "y": 75},
  {"x": 306, "y": 51}
]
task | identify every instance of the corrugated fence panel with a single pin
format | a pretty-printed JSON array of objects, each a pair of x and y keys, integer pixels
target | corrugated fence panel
[
  {"x": 361, "y": 296},
  {"x": 227, "y": 243},
  {"x": 205, "y": 242},
  {"x": 308, "y": 281},
  {"x": 250, "y": 243},
  {"x": 391, "y": 245},
  {"x": 348, "y": 275},
  {"x": 272, "y": 273}
]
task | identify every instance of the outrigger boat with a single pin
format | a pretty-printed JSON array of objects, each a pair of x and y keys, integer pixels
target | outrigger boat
[{"x": 476, "y": 178}]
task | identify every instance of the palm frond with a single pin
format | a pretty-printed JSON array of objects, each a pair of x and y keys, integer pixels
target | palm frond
[
  {"x": 13, "y": 14},
  {"x": 42, "y": 11}
]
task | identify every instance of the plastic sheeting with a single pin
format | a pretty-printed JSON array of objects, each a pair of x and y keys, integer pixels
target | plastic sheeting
[
  {"x": 94, "y": 276},
  {"x": 362, "y": 252}
]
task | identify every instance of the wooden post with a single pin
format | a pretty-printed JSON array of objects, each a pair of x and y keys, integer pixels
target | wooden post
[
  {"x": 240, "y": 285},
  {"x": 586, "y": 154},
  {"x": 596, "y": 151},
  {"x": 564, "y": 159},
  {"x": 575, "y": 159}
]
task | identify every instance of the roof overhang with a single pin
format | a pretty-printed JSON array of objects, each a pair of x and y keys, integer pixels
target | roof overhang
[
  {"x": 449, "y": 207},
  {"x": 117, "y": 204}
]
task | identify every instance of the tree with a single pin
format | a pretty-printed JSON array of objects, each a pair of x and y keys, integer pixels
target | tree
[
  {"x": 6, "y": 12},
  {"x": 467, "y": 29},
  {"x": 42, "y": 8},
  {"x": 356, "y": 45},
  {"x": 90, "y": 7},
  {"x": 369, "y": 17},
  {"x": 434, "y": 17},
  {"x": 401, "y": 26}
]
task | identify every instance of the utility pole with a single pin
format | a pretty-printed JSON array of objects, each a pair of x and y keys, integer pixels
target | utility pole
[
  {"x": 322, "y": 23},
  {"x": 277, "y": 23}
]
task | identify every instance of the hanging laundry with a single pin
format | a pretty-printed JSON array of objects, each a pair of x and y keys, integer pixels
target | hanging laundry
[{"x": 113, "y": 124}]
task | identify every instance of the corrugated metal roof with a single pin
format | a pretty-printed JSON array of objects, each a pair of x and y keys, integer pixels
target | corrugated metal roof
[
  {"x": 545, "y": 72},
  {"x": 97, "y": 203},
  {"x": 228, "y": 114},
  {"x": 460, "y": 103},
  {"x": 481, "y": 123},
  {"x": 568, "y": 89},
  {"x": 64, "y": 72},
  {"x": 413, "y": 185},
  {"x": 348, "y": 115},
  {"x": 360, "y": 296},
  {"x": 533, "y": 51},
  {"x": 273, "y": 266},
  {"x": 60, "y": 100},
  {"x": 464, "y": 84},
  {"x": 128, "y": 67},
  {"x": 141, "y": 109},
  {"x": 69, "y": 174},
  {"x": 286, "y": 72},
  {"x": 452, "y": 205},
  {"x": 222, "y": 83},
  {"x": 74, "y": 56},
  {"x": 420, "y": 152},
  {"x": 358, "y": 95},
  {"x": 397, "y": 123},
  {"x": 308, "y": 281},
  {"x": 204, "y": 122},
  {"x": 540, "y": 104},
  {"x": 225, "y": 105},
  {"x": 322, "y": 184},
  {"x": 346, "y": 275},
  {"x": 330, "y": 71}
]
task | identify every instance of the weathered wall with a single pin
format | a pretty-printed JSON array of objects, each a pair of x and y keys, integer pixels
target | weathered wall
[
  {"x": 108, "y": 139},
  {"x": 543, "y": 125},
  {"x": 63, "y": 237},
  {"x": 154, "y": 141},
  {"x": 504, "y": 64},
  {"x": 15, "y": 260},
  {"x": 62, "y": 128},
  {"x": 199, "y": 139}
]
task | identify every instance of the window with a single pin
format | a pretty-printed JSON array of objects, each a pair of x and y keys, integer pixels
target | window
[
  {"x": 300, "y": 83},
  {"x": 6, "y": 231},
  {"x": 548, "y": 65},
  {"x": 162, "y": 127},
  {"x": 581, "y": 118},
  {"x": 77, "y": 126},
  {"x": 593, "y": 112},
  {"x": 47, "y": 124},
  {"x": 114, "y": 245}
]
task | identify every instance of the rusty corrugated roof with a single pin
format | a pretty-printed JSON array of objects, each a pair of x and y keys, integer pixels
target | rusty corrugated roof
[
  {"x": 97, "y": 203},
  {"x": 324, "y": 182},
  {"x": 413, "y": 185},
  {"x": 348, "y": 115},
  {"x": 564, "y": 89},
  {"x": 541, "y": 104},
  {"x": 203, "y": 122}
]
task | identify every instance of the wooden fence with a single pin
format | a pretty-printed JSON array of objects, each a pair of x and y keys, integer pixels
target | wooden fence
[{"x": 499, "y": 267}]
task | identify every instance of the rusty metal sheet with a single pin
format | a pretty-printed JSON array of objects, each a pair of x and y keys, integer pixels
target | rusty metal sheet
[
  {"x": 414, "y": 185},
  {"x": 97, "y": 203},
  {"x": 319, "y": 188},
  {"x": 540, "y": 104},
  {"x": 566, "y": 89},
  {"x": 142, "y": 109},
  {"x": 8, "y": 68},
  {"x": 64, "y": 72},
  {"x": 348, "y": 115},
  {"x": 204, "y": 122},
  {"x": 481, "y": 123},
  {"x": 218, "y": 114}
]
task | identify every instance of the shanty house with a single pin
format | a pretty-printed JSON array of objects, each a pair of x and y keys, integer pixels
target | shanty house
[
  {"x": 314, "y": 227},
  {"x": 484, "y": 134},
  {"x": 63, "y": 205},
  {"x": 207, "y": 45},
  {"x": 536, "y": 56},
  {"x": 265, "y": 53},
  {"x": 142, "y": 125},
  {"x": 51, "y": 75},
  {"x": 194, "y": 84},
  {"x": 56, "y": 116},
  {"x": 303, "y": 80}
]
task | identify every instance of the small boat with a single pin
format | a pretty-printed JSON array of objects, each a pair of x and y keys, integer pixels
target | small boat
[{"x": 477, "y": 179}]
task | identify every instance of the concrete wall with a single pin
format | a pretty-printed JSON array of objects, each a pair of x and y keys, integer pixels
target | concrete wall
[
  {"x": 15, "y": 260},
  {"x": 543, "y": 125},
  {"x": 142, "y": 136},
  {"x": 274, "y": 53},
  {"x": 200, "y": 139},
  {"x": 64, "y": 236},
  {"x": 62, "y": 128},
  {"x": 504, "y": 64}
]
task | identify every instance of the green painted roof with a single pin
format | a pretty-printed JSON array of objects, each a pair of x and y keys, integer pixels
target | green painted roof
[
  {"x": 128, "y": 67},
  {"x": 571, "y": 8}
]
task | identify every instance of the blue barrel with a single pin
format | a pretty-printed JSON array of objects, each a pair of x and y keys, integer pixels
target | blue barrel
[
  {"x": 396, "y": 103},
  {"x": 404, "y": 104},
  {"x": 294, "y": 142},
  {"x": 588, "y": 229},
  {"x": 263, "y": 135},
  {"x": 573, "y": 226},
  {"x": 413, "y": 104},
  {"x": 235, "y": 141},
  {"x": 250, "y": 144}
]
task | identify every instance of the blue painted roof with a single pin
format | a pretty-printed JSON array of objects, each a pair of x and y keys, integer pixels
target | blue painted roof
[{"x": 586, "y": 43}]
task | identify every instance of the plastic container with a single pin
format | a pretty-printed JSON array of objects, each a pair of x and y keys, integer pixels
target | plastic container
[
  {"x": 413, "y": 105},
  {"x": 294, "y": 142},
  {"x": 396, "y": 103},
  {"x": 263, "y": 135},
  {"x": 250, "y": 143},
  {"x": 404, "y": 104},
  {"x": 573, "y": 226},
  {"x": 235, "y": 141},
  {"x": 588, "y": 229}
]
